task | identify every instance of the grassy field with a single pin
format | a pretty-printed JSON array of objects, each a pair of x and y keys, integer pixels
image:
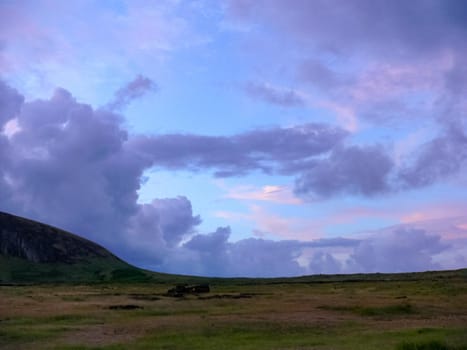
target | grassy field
[{"x": 385, "y": 313}]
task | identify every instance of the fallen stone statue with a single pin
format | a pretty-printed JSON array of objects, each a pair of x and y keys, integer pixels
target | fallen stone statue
[{"x": 181, "y": 289}]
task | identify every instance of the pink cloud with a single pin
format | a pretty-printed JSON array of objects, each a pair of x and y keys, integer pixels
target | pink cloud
[
  {"x": 434, "y": 212},
  {"x": 50, "y": 43},
  {"x": 383, "y": 81},
  {"x": 11, "y": 128},
  {"x": 267, "y": 224},
  {"x": 268, "y": 193}
]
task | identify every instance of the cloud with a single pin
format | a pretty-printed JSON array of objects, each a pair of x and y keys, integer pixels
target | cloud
[
  {"x": 400, "y": 250},
  {"x": 72, "y": 166},
  {"x": 269, "y": 193},
  {"x": 396, "y": 28},
  {"x": 263, "y": 149},
  {"x": 157, "y": 229},
  {"x": 48, "y": 43},
  {"x": 63, "y": 150},
  {"x": 131, "y": 91},
  {"x": 56, "y": 135},
  {"x": 75, "y": 167},
  {"x": 273, "y": 95},
  {"x": 10, "y": 104},
  {"x": 379, "y": 62},
  {"x": 324, "y": 263},
  {"x": 355, "y": 170},
  {"x": 248, "y": 257},
  {"x": 69, "y": 167},
  {"x": 442, "y": 157},
  {"x": 268, "y": 224},
  {"x": 176, "y": 219},
  {"x": 317, "y": 73}
]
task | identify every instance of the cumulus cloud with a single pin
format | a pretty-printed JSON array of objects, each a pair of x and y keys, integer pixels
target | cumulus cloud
[
  {"x": 131, "y": 91},
  {"x": 77, "y": 168},
  {"x": 248, "y": 257},
  {"x": 157, "y": 229},
  {"x": 69, "y": 167},
  {"x": 324, "y": 263},
  {"x": 72, "y": 166},
  {"x": 399, "y": 250},
  {"x": 10, "y": 103}
]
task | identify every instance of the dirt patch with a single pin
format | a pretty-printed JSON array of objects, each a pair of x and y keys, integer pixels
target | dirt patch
[
  {"x": 228, "y": 296},
  {"x": 104, "y": 334},
  {"x": 125, "y": 307},
  {"x": 148, "y": 297}
]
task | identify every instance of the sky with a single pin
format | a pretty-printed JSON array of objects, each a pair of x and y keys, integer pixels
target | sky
[{"x": 252, "y": 138}]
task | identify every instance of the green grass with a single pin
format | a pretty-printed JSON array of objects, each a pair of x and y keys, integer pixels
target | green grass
[
  {"x": 271, "y": 336},
  {"x": 428, "y": 345},
  {"x": 389, "y": 310},
  {"x": 337, "y": 315}
]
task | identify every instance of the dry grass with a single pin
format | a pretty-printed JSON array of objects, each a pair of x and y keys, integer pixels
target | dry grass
[{"x": 358, "y": 315}]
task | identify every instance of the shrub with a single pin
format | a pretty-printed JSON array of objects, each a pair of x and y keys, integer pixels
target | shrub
[{"x": 429, "y": 345}]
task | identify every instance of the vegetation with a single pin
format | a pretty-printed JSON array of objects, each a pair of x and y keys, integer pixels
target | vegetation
[
  {"x": 304, "y": 313},
  {"x": 59, "y": 291}
]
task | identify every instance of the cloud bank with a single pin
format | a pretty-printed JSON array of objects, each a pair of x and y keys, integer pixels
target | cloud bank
[{"x": 76, "y": 167}]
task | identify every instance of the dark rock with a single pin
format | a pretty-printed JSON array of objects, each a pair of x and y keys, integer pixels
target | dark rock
[{"x": 40, "y": 243}]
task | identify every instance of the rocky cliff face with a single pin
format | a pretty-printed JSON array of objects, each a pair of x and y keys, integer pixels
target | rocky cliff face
[{"x": 40, "y": 243}]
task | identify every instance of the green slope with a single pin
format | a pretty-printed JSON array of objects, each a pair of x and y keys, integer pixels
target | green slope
[{"x": 34, "y": 252}]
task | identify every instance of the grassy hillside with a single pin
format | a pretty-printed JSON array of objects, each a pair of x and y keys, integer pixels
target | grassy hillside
[
  {"x": 17, "y": 270},
  {"x": 32, "y": 252}
]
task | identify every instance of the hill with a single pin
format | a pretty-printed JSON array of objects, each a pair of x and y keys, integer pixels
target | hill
[{"x": 35, "y": 252}]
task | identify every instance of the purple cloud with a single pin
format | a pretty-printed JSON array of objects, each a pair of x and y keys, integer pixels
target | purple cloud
[
  {"x": 77, "y": 168},
  {"x": 10, "y": 103},
  {"x": 73, "y": 167},
  {"x": 317, "y": 73},
  {"x": 69, "y": 167},
  {"x": 156, "y": 230},
  {"x": 439, "y": 158},
  {"x": 248, "y": 257},
  {"x": 131, "y": 91},
  {"x": 64, "y": 141},
  {"x": 391, "y": 28},
  {"x": 273, "y": 95},
  {"x": 263, "y": 149},
  {"x": 324, "y": 263},
  {"x": 175, "y": 218},
  {"x": 355, "y": 170},
  {"x": 382, "y": 61},
  {"x": 400, "y": 250}
]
